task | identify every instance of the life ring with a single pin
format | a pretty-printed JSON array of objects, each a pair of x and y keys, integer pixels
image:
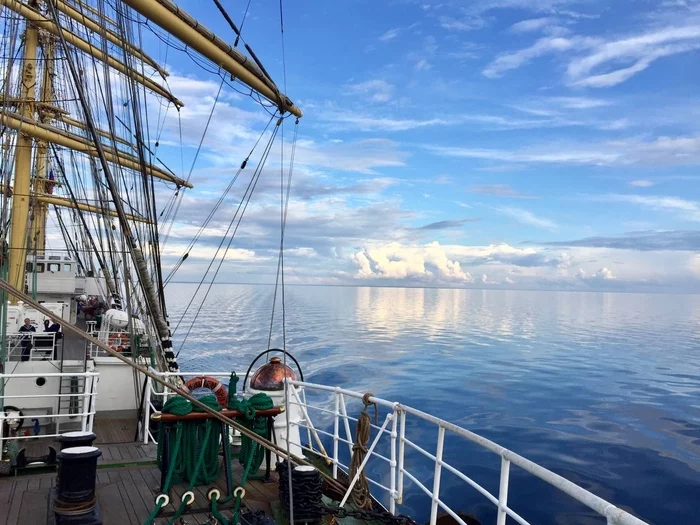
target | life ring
[
  {"x": 116, "y": 341},
  {"x": 212, "y": 384}
]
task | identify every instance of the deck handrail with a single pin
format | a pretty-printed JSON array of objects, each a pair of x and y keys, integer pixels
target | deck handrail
[
  {"x": 86, "y": 411},
  {"x": 396, "y": 423}
]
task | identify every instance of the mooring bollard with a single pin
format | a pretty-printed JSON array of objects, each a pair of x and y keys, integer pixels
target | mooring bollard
[
  {"x": 73, "y": 499},
  {"x": 76, "y": 439}
]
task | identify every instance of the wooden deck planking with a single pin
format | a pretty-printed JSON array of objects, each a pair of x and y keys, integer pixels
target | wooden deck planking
[
  {"x": 120, "y": 430},
  {"x": 16, "y": 500},
  {"x": 35, "y": 505},
  {"x": 126, "y": 493}
]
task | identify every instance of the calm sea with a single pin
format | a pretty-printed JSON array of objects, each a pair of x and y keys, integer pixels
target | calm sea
[{"x": 601, "y": 388}]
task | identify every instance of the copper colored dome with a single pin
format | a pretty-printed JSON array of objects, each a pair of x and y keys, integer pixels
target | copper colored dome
[{"x": 271, "y": 376}]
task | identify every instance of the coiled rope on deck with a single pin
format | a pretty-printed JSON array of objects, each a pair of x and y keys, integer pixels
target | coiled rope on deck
[{"x": 200, "y": 443}]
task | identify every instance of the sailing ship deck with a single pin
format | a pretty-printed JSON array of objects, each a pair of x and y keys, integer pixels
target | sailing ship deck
[{"x": 127, "y": 484}]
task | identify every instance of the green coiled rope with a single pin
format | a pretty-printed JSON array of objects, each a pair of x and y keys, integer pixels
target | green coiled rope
[
  {"x": 195, "y": 454},
  {"x": 257, "y": 424}
]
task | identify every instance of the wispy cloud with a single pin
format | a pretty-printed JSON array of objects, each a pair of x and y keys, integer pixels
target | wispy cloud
[
  {"x": 338, "y": 119},
  {"x": 532, "y": 24},
  {"x": 528, "y": 218},
  {"x": 663, "y": 151},
  {"x": 686, "y": 209},
  {"x": 376, "y": 90},
  {"x": 544, "y": 46},
  {"x": 466, "y": 23},
  {"x": 498, "y": 190},
  {"x": 390, "y": 34},
  {"x": 465, "y": 51},
  {"x": 443, "y": 225},
  {"x": 638, "y": 52},
  {"x": 598, "y": 62},
  {"x": 676, "y": 240},
  {"x": 641, "y": 183}
]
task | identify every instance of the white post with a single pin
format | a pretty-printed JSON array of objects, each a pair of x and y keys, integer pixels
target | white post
[
  {"x": 348, "y": 434},
  {"x": 392, "y": 465},
  {"x": 2, "y": 424},
  {"x": 85, "y": 410},
  {"x": 310, "y": 426},
  {"x": 93, "y": 390},
  {"x": 402, "y": 451},
  {"x": 306, "y": 415},
  {"x": 388, "y": 418},
  {"x": 436, "y": 476},
  {"x": 336, "y": 435},
  {"x": 503, "y": 492},
  {"x": 147, "y": 410}
]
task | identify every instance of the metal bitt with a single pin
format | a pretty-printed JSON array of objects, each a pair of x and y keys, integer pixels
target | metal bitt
[{"x": 73, "y": 500}]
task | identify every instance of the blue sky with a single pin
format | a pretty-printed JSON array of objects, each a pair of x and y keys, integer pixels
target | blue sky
[{"x": 539, "y": 144}]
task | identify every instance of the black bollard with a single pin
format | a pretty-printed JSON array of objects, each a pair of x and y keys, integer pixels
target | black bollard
[
  {"x": 307, "y": 492},
  {"x": 76, "y": 439},
  {"x": 73, "y": 499}
]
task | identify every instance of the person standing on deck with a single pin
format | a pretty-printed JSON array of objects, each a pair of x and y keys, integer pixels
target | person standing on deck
[
  {"x": 26, "y": 340},
  {"x": 55, "y": 328}
]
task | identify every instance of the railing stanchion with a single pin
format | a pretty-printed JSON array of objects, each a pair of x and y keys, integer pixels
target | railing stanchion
[
  {"x": 147, "y": 409},
  {"x": 402, "y": 452},
  {"x": 436, "y": 475},
  {"x": 336, "y": 434},
  {"x": 503, "y": 492},
  {"x": 348, "y": 434},
  {"x": 392, "y": 465},
  {"x": 86, "y": 406}
]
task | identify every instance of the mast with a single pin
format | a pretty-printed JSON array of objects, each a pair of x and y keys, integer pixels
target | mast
[
  {"x": 19, "y": 216},
  {"x": 41, "y": 207}
]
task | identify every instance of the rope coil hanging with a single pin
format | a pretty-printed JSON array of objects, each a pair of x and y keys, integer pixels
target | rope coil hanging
[{"x": 361, "y": 496}]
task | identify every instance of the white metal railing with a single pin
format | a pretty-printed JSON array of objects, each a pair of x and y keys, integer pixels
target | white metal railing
[
  {"x": 398, "y": 464},
  {"x": 113, "y": 338},
  {"x": 54, "y": 413},
  {"x": 399, "y": 468},
  {"x": 31, "y": 346}
]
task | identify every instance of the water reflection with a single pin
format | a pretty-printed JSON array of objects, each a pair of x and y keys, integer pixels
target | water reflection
[{"x": 602, "y": 388}]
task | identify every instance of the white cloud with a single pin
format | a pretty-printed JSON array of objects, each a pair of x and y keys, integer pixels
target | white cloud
[
  {"x": 422, "y": 65},
  {"x": 641, "y": 183},
  {"x": 638, "y": 51},
  {"x": 579, "y": 102},
  {"x": 396, "y": 261},
  {"x": 467, "y": 23},
  {"x": 358, "y": 121},
  {"x": 533, "y": 24},
  {"x": 390, "y": 34},
  {"x": 528, "y": 218},
  {"x": 686, "y": 209},
  {"x": 662, "y": 151},
  {"x": 376, "y": 90},
  {"x": 603, "y": 63},
  {"x": 603, "y": 274},
  {"x": 543, "y": 46}
]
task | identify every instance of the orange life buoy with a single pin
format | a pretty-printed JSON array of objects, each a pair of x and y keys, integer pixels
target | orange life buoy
[{"x": 212, "y": 384}]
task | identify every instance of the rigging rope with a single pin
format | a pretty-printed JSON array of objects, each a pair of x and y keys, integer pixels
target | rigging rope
[{"x": 246, "y": 197}]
